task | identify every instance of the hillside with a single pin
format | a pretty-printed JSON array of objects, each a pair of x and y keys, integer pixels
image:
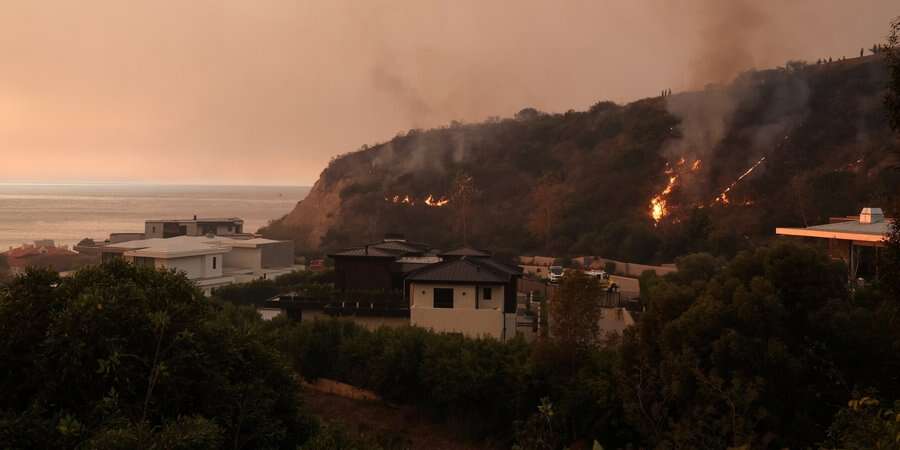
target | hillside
[{"x": 712, "y": 170}]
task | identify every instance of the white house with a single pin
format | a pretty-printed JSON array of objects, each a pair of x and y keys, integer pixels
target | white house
[
  {"x": 210, "y": 262},
  {"x": 466, "y": 293}
]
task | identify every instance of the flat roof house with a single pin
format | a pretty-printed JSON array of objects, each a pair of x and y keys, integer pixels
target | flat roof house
[
  {"x": 210, "y": 262},
  {"x": 856, "y": 240},
  {"x": 166, "y": 228},
  {"x": 467, "y": 292}
]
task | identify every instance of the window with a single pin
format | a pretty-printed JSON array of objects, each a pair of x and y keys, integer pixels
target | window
[
  {"x": 443, "y": 298},
  {"x": 214, "y": 263},
  {"x": 143, "y": 262},
  {"x": 487, "y": 293}
]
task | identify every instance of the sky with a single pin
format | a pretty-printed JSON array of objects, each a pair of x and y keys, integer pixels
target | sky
[{"x": 267, "y": 92}]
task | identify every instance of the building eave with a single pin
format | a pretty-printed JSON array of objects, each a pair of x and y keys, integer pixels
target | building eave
[{"x": 822, "y": 234}]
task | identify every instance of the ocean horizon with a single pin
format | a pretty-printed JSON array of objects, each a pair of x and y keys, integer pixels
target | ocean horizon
[{"x": 70, "y": 212}]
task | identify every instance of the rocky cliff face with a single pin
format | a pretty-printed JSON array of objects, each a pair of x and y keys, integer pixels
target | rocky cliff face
[{"x": 712, "y": 170}]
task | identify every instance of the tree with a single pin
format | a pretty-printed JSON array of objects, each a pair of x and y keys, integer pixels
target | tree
[
  {"x": 889, "y": 273},
  {"x": 464, "y": 192},
  {"x": 548, "y": 197},
  {"x": 575, "y": 311},
  {"x": 119, "y": 355}
]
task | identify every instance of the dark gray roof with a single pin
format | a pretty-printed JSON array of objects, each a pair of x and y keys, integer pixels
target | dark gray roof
[
  {"x": 372, "y": 252},
  {"x": 467, "y": 251},
  {"x": 464, "y": 270}
]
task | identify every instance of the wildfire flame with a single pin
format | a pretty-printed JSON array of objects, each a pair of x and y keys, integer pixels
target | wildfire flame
[
  {"x": 432, "y": 200},
  {"x": 723, "y": 197},
  {"x": 658, "y": 207}
]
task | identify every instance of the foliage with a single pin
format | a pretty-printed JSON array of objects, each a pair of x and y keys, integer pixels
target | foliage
[
  {"x": 723, "y": 345},
  {"x": 118, "y": 355},
  {"x": 575, "y": 310},
  {"x": 580, "y": 183},
  {"x": 866, "y": 424}
]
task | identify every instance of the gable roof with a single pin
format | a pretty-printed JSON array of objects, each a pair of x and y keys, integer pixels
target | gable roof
[
  {"x": 367, "y": 251},
  {"x": 467, "y": 251},
  {"x": 386, "y": 249},
  {"x": 465, "y": 270}
]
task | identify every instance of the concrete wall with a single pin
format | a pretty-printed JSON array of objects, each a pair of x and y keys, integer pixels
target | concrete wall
[
  {"x": 244, "y": 258},
  {"x": 469, "y": 322},
  {"x": 614, "y": 320},
  {"x": 194, "y": 266},
  {"x": 369, "y": 322},
  {"x": 464, "y": 296},
  {"x": 279, "y": 254},
  {"x": 626, "y": 268},
  {"x": 153, "y": 230}
]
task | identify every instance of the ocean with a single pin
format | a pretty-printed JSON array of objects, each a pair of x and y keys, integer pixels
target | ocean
[{"x": 68, "y": 213}]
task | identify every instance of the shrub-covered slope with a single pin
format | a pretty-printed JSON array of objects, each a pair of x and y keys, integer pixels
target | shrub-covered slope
[{"x": 644, "y": 181}]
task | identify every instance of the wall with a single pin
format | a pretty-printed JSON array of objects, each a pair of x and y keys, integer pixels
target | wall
[
  {"x": 614, "y": 320},
  {"x": 626, "y": 268},
  {"x": 470, "y": 322},
  {"x": 363, "y": 273},
  {"x": 369, "y": 322},
  {"x": 464, "y": 296},
  {"x": 279, "y": 254},
  {"x": 153, "y": 230},
  {"x": 244, "y": 258},
  {"x": 194, "y": 266}
]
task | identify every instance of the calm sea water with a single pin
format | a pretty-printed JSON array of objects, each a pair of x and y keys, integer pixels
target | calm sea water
[{"x": 69, "y": 213}]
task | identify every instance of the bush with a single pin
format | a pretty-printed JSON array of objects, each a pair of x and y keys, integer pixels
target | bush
[{"x": 119, "y": 355}]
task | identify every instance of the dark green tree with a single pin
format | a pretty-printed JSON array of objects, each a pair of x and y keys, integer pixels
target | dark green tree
[{"x": 118, "y": 355}]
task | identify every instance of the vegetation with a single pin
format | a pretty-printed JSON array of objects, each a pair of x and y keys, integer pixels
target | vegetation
[
  {"x": 123, "y": 357},
  {"x": 582, "y": 182}
]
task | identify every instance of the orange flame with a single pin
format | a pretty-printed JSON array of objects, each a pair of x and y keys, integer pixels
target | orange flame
[
  {"x": 431, "y": 200},
  {"x": 723, "y": 197},
  {"x": 658, "y": 204}
]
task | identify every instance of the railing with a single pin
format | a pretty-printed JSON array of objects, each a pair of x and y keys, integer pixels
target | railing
[{"x": 350, "y": 303}]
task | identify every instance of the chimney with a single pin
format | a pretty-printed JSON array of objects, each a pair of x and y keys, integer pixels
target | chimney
[
  {"x": 871, "y": 215},
  {"x": 195, "y": 217}
]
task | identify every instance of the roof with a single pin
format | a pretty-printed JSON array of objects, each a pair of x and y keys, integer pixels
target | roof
[
  {"x": 852, "y": 230},
  {"x": 200, "y": 220},
  {"x": 467, "y": 251},
  {"x": 388, "y": 248},
  {"x": 174, "y": 247},
  {"x": 465, "y": 270},
  {"x": 370, "y": 252}
]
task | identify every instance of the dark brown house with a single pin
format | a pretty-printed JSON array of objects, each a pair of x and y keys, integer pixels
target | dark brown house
[{"x": 381, "y": 265}]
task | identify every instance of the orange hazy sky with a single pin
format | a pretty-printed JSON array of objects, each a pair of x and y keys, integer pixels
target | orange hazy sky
[{"x": 266, "y": 92}]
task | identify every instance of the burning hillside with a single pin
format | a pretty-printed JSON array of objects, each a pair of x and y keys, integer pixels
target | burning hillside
[
  {"x": 645, "y": 181},
  {"x": 431, "y": 200}
]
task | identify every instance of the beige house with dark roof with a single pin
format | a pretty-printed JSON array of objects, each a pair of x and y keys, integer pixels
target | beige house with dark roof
[{"x": 467, "y": 292}]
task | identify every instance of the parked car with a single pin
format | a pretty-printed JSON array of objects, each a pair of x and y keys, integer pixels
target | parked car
[{"x": 556, "y": 273}]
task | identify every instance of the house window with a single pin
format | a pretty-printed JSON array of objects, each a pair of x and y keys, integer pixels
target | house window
[
  {"x": 214, "y": 263},
  {"x": 487, "y": 293},
  {"x": 443, "y": 298}
]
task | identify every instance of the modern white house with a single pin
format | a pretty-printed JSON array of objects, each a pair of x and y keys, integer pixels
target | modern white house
[
  {"x": 166, "y": 228},
  {"x": 856, "y": 240},
  {"x": 467, "y": 292},
  {"x": 210, "y": 261}
]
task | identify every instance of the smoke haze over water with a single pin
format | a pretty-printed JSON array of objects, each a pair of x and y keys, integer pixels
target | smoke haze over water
[{"x": 267, "y": 92}]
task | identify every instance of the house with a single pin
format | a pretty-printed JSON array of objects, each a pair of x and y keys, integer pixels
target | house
[
  {"x": 466, "y": 292},
  {"x": 166, "y": 228},
  {"x": 380, "y": 266},
  {"x": 41, "y": 253},
  {"x": 855, "y": 240},
  {"x": 210, "y": 261}
]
